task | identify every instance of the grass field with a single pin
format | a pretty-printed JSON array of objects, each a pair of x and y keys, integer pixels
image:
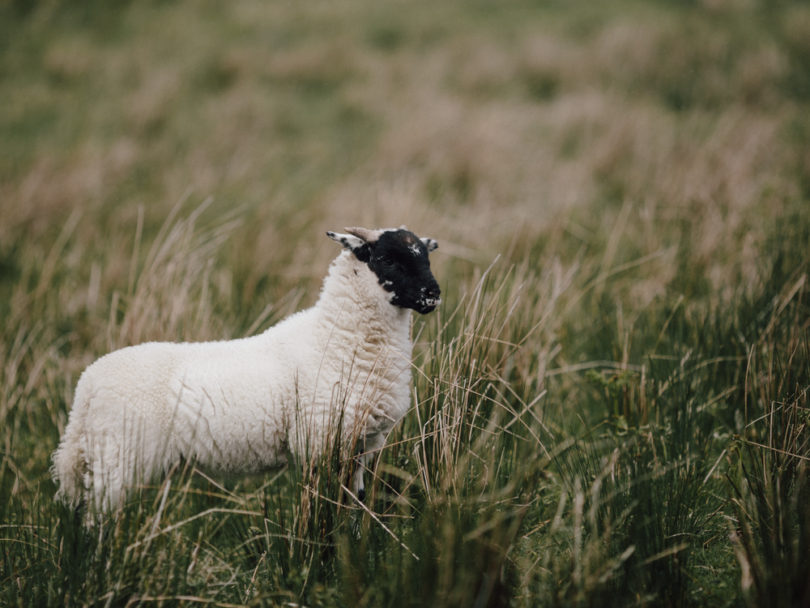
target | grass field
[{"x": 610, "y": 408}]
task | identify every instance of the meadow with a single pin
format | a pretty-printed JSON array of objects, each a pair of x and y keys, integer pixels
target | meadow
[{"x": 610, "y": 407}]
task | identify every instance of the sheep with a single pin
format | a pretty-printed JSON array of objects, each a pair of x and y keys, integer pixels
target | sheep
[{"x": 243, "y": 405}]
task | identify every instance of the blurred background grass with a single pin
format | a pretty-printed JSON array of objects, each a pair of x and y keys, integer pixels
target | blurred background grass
[{"x": 614, "y": 413}]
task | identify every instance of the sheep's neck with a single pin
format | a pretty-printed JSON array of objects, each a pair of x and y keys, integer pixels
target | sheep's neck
[{"x": 353, "y": 304}]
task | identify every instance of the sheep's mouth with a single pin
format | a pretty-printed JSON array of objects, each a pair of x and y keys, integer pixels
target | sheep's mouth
[{"x": 428, "y": 305}]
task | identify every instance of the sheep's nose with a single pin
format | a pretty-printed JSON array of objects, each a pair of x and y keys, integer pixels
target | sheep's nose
[{"x": 430, "y": 298}]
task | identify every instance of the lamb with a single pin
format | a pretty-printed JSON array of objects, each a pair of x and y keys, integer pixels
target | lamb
[{"x": 243, "y": 405}]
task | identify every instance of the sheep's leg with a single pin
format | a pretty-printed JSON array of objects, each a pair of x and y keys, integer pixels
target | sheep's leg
[
  {"x": 370, "y": 446},
  {"x": 358, "y": 483}
]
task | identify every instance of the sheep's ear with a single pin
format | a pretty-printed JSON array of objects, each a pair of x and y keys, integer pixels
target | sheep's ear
[
  {"x": 431, "y": 244},
  {"x": 349, "y": 241}
]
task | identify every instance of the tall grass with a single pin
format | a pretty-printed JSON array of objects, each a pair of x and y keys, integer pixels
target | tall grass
[
  {"x": 610, "y": 406},
  {"x": 770, "y": 529}
]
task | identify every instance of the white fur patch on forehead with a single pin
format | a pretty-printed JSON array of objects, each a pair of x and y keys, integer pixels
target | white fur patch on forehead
[{"x": 404, "y": 239}]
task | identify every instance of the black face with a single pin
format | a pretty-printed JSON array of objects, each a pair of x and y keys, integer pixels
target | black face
[{"x": 400, "y": 261}]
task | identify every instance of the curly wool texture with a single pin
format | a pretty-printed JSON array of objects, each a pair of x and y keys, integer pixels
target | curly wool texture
[{"x": 244, "y": 404}]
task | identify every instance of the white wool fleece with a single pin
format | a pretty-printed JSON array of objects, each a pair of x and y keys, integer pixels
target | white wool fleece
[{"x": 242, "y": 404}]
